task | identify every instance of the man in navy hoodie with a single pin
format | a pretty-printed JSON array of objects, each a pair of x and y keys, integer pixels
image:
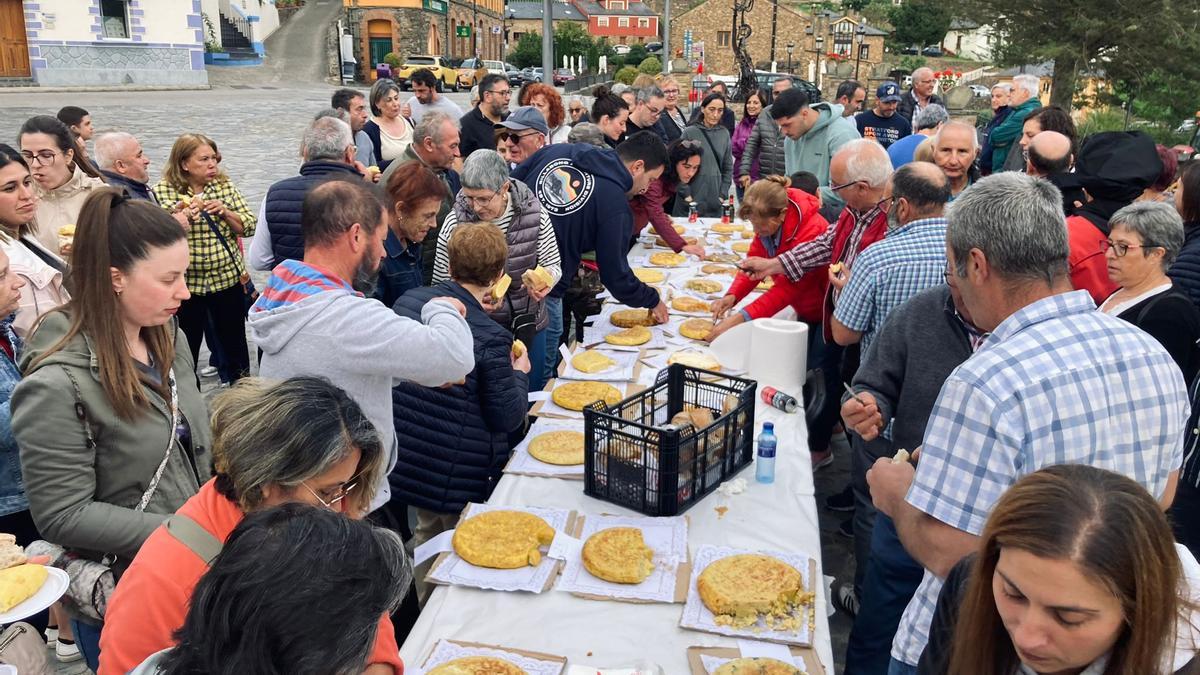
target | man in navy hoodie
[{"x": 586, "y": 191}]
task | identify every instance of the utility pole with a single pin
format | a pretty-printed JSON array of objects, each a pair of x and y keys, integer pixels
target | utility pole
[
  {"x": 666, "y": 36},
  {"x": 774, "y": 21},
  {"x": 548, "y": 42}
]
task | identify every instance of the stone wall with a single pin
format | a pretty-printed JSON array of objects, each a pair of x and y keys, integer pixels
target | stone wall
[{"x": 90, "y": 65}]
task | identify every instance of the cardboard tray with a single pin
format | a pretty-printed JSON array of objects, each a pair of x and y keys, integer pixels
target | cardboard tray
[
  {"x": 553, "y": 576},
  {"x": 541, "y": 656},
  {"x": 683, "y": 573},
  {"x": 811, "y": 663}
]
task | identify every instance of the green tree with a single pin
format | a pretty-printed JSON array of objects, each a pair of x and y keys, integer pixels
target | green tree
[
  {"x": 570, "y": 39},
  {"x": 920, "y": 22},
  {"x": 528, "y": 52},
  {"x": 626, "y": 75},
  {"x": 650, "y": 65},
  {"x": 1145, "y": 48},
  {"x": 637, "y": 54},
  {"x": 855, "y": 5}
]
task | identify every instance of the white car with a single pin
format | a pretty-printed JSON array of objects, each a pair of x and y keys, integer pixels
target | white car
[
  {"x": 620, "y": 50},
  {"x": 980, "y": 91}
]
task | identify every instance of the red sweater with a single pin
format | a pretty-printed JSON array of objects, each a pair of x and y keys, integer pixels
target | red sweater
[
  {"x": 151, "y": 601},
  {"x": 648, "y": 208},
  {"x": 802, "y": 223},
  {"x": 1089, "y": 267},
  {"x": 875, "y": 231}
]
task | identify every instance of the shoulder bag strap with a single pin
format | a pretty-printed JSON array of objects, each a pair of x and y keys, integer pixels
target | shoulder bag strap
[
  {"x": 720, "y": 158},
  {"x": 199, "y": 540},
  {"x": 220, "y": 237}
]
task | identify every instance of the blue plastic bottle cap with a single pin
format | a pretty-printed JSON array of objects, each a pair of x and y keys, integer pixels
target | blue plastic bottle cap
[{"x": 768, "y": 426}]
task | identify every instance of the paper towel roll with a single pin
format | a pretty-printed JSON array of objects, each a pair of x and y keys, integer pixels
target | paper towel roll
[
  {"x": 732, "y": 348},
  {"x": 778, "y": 354}
]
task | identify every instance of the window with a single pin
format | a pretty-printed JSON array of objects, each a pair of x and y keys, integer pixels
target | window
[
  {"x": 643, "y": 22},
  {"x": 724, "y": 38},
  {"x": 602, "y": 22},
  {"x": 623, "y": 22},
  {"x": 114, "y": 19},
  {"x": 864, "y": 51}
]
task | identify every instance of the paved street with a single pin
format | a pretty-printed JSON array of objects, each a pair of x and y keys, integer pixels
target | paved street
[{"x": 257, "y": 124}]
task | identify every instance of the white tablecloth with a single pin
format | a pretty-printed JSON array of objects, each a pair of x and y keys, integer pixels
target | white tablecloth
[{"x": 781, "y": 516}]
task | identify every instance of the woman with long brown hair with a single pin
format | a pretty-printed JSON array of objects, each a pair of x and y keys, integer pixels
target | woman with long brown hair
[
  {"x": 1076, "y": 572},
  {"x": 112, "y": 429},
  {"x": 193, "y": 183},
  {"x": 62, "y": 179}
]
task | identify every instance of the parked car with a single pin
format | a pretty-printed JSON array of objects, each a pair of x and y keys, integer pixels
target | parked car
[
  {"x": 931, "y": 50},
  {"x": 981, "y": 91},
  {"x": 466, "y": 71},
  {"x": 911, "y": 49},
  {"x": 766, "y": 80},
  {"x": 653, "y": 47},
  {"x": 447, "y": 77},
  {"x": 515, "y": 79},
  {"x": 620, "y": 50},
  {"x": 532, "y": 74},
  {"x": 563, "y": 76}
]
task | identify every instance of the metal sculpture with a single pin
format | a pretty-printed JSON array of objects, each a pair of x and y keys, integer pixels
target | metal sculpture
[{"x": 747, "y": 82}]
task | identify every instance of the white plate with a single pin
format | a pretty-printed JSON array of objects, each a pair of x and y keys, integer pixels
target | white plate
[{"x": 52, "y": 589}]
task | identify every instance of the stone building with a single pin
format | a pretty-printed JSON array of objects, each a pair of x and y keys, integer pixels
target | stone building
[
  {"x": 525, "y": 16},
  {"x": 102, "y": 43},
  {"x": 439, "y": 27},
  {"x": 773, "y": 28}
]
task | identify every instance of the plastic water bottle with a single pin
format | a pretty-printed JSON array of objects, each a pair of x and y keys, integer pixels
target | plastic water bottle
[{"x": 764, "y": 466}]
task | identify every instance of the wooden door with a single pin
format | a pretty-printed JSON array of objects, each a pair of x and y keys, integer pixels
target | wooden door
[{"x": 14, "y": 52}]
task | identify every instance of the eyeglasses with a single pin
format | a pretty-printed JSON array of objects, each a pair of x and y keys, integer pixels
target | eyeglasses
[
  {"x": 843, "y": 186},
  {"x": 342, "y": 492},
  {"x": 654, "y": 112},
  {"x": 670, "y": 92},
  {"x": 514, "y": 136},
  {"x": 1120, "y": 248},
  {"x": 480, "y": 201},
  {"x": 576, "y": 109},
  {"x": 43, "y": 158},
  {"x": 689, "y": 144},
  {"x": 506, "y": 93}
]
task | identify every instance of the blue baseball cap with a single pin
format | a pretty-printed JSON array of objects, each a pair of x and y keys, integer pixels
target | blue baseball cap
[
  {"x": 888, "y": 92},
  {"x": 525, "y": 117}
]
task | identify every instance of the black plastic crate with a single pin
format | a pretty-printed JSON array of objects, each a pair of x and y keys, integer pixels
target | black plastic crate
[{"x": 635, "y": 458}]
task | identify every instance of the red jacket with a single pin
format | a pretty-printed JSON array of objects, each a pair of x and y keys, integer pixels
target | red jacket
[
  {"x": 1089, "y": 267},
  {"x": 841, "y": 238},
  {"x": 802, "y": 223},
  {"x": 648, "y": 207},
  {"x": 151, "y": 601}
]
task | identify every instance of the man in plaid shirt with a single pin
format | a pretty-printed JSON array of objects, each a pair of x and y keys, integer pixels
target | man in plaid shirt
[
  {"x": 911, "y": 258},
  {"x": 1055, "y": 382}
]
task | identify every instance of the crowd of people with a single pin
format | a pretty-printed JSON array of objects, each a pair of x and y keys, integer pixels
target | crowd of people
[{"x": 1015, "y": 306}]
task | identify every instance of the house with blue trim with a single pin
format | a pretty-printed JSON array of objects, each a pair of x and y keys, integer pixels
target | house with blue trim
[{"x": 87, "y": 43}]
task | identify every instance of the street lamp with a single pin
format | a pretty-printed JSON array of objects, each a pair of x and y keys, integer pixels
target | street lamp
[
  {"x": 819, "y": 43},
  {"x": 790, "y": 46},
  {"x": 859, "y": 35},
  {"x": 509, "y": 15}
]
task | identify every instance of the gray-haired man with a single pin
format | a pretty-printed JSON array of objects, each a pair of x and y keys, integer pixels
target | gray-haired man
[
  {"x": 927, "y": 123},
  {"x": 328, "y": 151},
  {"x": 648, "y": 105}
]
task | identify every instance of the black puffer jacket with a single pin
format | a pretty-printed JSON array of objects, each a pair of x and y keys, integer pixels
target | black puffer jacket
[
  {"x": 453, "y": 441},
  {"x": 1185, "y": 271}
]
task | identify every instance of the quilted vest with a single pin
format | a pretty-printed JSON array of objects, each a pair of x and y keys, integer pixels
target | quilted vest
[
  {"x": 522, "y": 239},
  {"x": 284, "y": 200}
]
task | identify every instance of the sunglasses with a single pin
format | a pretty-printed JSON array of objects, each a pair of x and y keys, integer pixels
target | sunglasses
[{"x": 513, "y": 136}]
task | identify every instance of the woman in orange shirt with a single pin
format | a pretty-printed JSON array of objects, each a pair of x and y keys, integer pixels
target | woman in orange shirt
[{"x": 301, "y": 440}]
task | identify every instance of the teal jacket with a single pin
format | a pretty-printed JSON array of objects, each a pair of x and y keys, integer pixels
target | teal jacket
[
  {"x": 814, "y": 150},
  {"x": 1007, "y": 132}
]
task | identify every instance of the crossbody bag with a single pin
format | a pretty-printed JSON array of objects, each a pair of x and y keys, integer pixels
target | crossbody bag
[{"x": 92, "y": 581}]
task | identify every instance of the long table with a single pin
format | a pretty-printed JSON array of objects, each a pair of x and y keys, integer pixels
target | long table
[{"x": 781, "y": 516}]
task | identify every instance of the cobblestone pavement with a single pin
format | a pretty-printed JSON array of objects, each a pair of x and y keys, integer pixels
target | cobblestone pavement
[{"x": 257, "y": 126}]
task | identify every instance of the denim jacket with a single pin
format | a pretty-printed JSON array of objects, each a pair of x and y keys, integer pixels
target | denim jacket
[{"x": 12, "y": 488}]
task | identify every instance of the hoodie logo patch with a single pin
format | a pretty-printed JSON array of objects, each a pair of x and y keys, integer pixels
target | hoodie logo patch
[{"x": 564, "y": 189}]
